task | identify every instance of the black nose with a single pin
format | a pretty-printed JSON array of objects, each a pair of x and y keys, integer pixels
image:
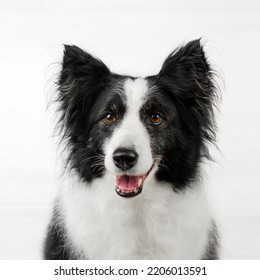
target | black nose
[{"x": 124, "y": 158}]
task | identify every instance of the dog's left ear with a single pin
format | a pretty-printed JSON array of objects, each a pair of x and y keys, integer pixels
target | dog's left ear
[
  {"x": 187, "y": 74},
  {"x": 188, "y": 61}
]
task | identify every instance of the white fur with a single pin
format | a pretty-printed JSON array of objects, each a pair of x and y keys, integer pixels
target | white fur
[
  {"x": 131, "y": 133},
  {"x": 157, "y": 224}
]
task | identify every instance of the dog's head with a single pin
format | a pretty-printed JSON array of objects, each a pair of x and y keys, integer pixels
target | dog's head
[{"x": 134, "y": 128}]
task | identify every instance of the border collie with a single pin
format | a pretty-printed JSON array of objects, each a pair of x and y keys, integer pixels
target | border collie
[{"x": 135, "y": 148}]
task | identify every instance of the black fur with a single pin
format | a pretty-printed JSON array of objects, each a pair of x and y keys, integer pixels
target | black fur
[
  {"x": 184, "y": 90},
  {"x": 211, "y": 252},
  {"x": 56, "y": 247},
  {"x": 84, "y": 85}
]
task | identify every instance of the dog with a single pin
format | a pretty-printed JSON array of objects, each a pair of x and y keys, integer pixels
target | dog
[{"x": 135, "y": 147}]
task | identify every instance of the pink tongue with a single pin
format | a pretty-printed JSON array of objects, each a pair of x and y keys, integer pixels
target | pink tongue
[{"x": 127, "y": 183}]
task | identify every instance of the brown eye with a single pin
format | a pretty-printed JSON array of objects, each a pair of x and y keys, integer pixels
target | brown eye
[
  {"x": 155, "y": 118},
  {"x": 109, "y": 118}
]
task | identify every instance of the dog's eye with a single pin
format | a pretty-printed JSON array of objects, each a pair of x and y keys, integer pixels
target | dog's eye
[
  {"x": 109, "y": 118},
  {"x": 155, "y": 118}
]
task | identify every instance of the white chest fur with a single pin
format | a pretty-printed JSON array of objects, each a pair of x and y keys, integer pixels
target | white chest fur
[{"x": 157, "y": 224}]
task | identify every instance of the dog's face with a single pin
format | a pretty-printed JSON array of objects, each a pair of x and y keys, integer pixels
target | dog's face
[{"x": 134, "y": 128}]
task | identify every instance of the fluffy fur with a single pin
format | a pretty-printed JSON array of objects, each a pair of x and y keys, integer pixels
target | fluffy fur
[{"x": 160, "y": 127}]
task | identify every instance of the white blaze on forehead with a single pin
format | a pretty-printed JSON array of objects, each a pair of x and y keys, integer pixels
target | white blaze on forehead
[
  {"x": 135, "y": 91},
  {"x": 131, "y": 132}
]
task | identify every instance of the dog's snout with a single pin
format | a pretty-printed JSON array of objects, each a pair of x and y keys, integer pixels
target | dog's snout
[{"x": 125, "y": 158}]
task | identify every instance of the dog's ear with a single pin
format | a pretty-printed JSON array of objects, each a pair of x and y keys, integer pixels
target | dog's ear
[
  {"x": 187, "y": 74},
  {"x": 187, "y": 61},
  {"x": 78, "y": 64},
  {"x": 82, "y": 78}
]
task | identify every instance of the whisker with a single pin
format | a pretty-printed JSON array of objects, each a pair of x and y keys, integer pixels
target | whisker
[
  {"x": 98, "y": 157},
  {"x": 161, "y": 161}
]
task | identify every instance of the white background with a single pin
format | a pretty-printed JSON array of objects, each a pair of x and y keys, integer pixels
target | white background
[{"x": 131, "y": 37}]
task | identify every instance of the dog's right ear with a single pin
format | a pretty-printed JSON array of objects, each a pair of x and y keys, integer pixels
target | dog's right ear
[
  {"x": 82, "y": 78},
  {"x": 78, "y": 64}
]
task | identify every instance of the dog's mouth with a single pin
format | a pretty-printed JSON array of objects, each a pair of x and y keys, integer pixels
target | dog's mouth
[{"x": 129, "y": 186}]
